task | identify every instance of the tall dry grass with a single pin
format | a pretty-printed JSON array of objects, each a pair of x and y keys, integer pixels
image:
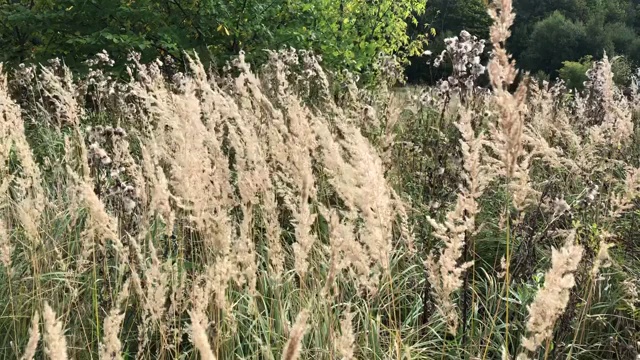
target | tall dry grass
[{"x": 283, "y": 212}]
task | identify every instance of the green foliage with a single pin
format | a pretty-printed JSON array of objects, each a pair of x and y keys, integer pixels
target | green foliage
[
  {"x": 622, "y": 71},
  {"x": 591, "y": 27},
  {"x": 554, "y": 40},
  {"x": 574, "y": 72},
  {"x": 353, "y": 33},
  {"x": 349, "y": 33},
  {"x": 621, "y": 36}
]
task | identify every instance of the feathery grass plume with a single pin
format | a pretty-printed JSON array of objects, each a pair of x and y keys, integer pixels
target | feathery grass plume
[
  {"x": 219, "y": 275},
  {"x": 541, "y": 149},
  {"x": 535, "y": 137},
  {"x": 303, "y": 220},
  {"x": 273, "y": 231},
  {"x": 158, "y": 192},
  {"x": 199, "y": 336},
  {"x": 76, "y": 154},
  {"x": 153, "y": 292},
  {"x": 237, "y": 125},
  {"x": 198, "y": 176},
  {"x": 352, "y": 190},
  {"x": 244, "y": 126},
  {"x": 607, "y": 107},
  {"x": 507, "y": 133},
  {"x": 244, "y": 252},
  {"x": 227, "y": 123},
  {"x": 298, "y": 172},
  {"x": 101, "y": 226},
  {"x": 507, "y": 139},
  {"x": 55, "y": 342},
  {"x": 356, "y": 174},
  {"x": 111, "y": 346},
  {"x": 198, "y": 172},
  {"x": 6, "y": 248},
  {"x": 542, "y": 112},
  {"x": 32, "y": 199},
  {"x": 199, "y": 322},
  {"x": 502, "y": 73},
  {"x": 345, "y": 343},
  {"x": 293, "y": 346},
  {"x": 372, "y": 194},
  {"x": 549, "y": 119},
  {"x": 178, "y": 303},
  {"x": 256, "y": 132},
  {"x": 60, "y": 92},
  {"x": 253, "y": 182},
  {"x": 507, "y": 136},
  {"x": 444, "y": 273},
  {"x": 34, "y": 338},
  {"x": 291, "y": 142},
  {"x": 216, "y": 111},
  {"x": 346, "y": 252},
  {"x": 355, "y": 170},
  {"x": 621, "y": 202},
  {"x": 548, "y": 132},
  {"x": 405, "y": 227},
  {"x": 551, "y": 301},
  {"x": 603, "y": 258}
]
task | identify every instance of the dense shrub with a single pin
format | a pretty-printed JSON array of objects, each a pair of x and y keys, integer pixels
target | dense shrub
[
  {"x": 574, "y": 73},
  {"x": 554, "y": 40}
]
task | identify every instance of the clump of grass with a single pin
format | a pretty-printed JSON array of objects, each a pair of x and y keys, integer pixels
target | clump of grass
[
  {"x": 195, "y": 215},
  {"x": 552, "y": 299}
]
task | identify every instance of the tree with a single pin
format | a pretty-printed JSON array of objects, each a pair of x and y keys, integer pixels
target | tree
[
  {"x": 622, "y": 70},
  {"x": 554, "y": 39},
  {"x": 610, "y": 25},
  {"x": 349, "y": 33},
  {"x": 621, "y": 37},
  {"x": 574, "y": 73}
]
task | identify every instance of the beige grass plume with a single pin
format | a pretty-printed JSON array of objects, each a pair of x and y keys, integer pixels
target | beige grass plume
[
  {"x": 551, "y": 301},
  {"x": 34, "y": 338},
  {"x": 111, "y": 346},
  {"x": 444, "y": 273},
  {"x": 55, "y": 342},
  {"x": 294, "y": 343}
]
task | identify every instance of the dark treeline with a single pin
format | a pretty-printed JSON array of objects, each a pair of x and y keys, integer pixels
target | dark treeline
[{"x": 548, "y": 35}]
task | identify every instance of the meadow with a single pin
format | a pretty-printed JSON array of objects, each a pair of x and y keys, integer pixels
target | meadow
[{"x": 284, "y": 212}]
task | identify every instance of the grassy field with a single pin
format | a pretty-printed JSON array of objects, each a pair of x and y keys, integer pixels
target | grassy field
[{"x": 283, "y": 213}]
